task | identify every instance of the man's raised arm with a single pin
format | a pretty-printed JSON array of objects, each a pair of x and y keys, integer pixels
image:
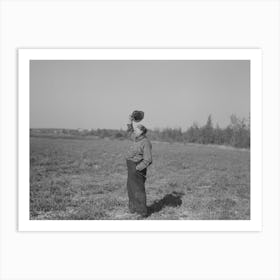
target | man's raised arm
[{"x": 130, "y": 128}]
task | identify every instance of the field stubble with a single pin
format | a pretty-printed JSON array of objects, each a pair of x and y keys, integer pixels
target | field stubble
[{"x": 86, "y": 180}]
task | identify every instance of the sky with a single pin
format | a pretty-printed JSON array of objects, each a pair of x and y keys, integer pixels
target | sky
[{"x": 94, "y": 94}]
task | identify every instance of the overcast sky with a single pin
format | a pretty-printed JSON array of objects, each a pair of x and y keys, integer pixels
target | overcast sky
[{"x": 101, "y": 94}]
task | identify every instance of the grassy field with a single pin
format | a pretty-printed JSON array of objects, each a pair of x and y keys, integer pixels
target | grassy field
[{"x": 77, "y": 179}]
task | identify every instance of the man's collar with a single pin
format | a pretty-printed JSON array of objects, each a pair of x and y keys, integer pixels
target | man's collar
[{"x": 142, "y": 136}]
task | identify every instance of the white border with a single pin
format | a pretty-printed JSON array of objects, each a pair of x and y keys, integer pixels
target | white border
[{"x": 254, "y": 55}]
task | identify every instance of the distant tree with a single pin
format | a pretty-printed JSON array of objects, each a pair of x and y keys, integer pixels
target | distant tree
[
  {"x": 207, "y": 132},
  {"x": 240, "y": 132},
  {"x": 218, "y": 135},
  {"x": 192, "y": 134}
]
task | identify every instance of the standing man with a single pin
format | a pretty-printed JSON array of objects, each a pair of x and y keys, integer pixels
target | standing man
[{"x": 138, "y": 158}]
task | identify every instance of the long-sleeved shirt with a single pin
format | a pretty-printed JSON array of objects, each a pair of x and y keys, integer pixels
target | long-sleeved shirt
[{"x": 140, "y": 151}]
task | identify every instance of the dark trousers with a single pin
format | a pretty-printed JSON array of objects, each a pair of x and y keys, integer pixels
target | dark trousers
[{"x": 136, "y": 189}]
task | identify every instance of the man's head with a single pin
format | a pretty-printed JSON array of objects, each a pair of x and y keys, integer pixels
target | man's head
[{"x": 140, "y": 130}]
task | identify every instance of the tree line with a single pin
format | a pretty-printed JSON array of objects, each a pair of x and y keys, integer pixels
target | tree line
[{"x": 236, "y": 133}]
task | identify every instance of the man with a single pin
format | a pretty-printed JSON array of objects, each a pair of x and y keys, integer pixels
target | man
[{"x": 138, "y": 158}]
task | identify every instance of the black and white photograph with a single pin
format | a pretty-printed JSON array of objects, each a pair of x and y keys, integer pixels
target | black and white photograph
[
  {"x": 183, "y": 153},
  {"x": 136, "y": 139}
]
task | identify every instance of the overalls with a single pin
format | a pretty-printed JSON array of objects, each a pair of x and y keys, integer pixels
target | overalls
[{"x": 136, "y": 189}]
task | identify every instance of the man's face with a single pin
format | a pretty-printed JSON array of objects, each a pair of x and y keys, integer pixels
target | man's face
[{"x": 137, "y": 131}]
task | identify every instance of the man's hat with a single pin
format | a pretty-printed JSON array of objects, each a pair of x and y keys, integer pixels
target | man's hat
[{"x": 137, "y": 115}]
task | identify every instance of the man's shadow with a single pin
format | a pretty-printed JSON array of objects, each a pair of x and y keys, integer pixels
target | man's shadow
[{"x": 173, "y": 199}]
